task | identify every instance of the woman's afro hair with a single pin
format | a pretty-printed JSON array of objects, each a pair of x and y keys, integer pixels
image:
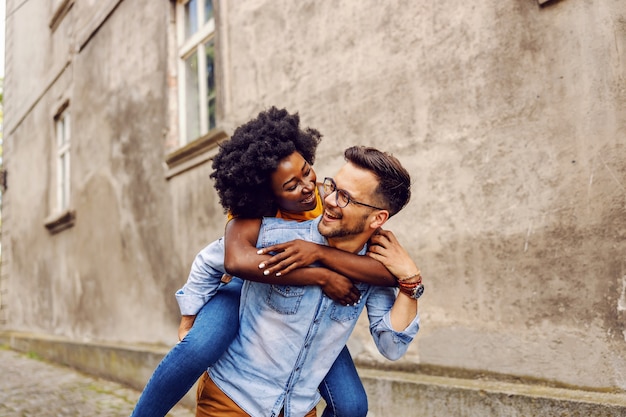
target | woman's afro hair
[{"x": 243, "y": 166}]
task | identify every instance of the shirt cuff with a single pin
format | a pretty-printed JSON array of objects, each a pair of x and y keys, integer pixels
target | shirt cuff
[
  {"x": 408, "y": 334},
  {"x": 189, "y": 305}
]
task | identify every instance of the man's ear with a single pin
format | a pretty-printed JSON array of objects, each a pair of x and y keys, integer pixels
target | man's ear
[{"x": 379, "y": 219}]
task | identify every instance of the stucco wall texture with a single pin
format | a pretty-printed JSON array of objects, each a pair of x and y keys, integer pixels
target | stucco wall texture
[{"x": 511, "y": 118}]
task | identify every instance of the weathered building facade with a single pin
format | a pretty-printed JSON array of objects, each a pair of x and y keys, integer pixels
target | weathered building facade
[{"x": 509, "y": 114}]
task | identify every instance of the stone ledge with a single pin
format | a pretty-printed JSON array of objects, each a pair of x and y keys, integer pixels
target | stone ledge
[
  {"x": 393, "y": 393},
  {"x": 389, "y": 392}
]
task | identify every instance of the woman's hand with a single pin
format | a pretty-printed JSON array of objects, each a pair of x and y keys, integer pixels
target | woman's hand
[
  {"x": 385, "y": 248},
  {"x": 289, "y": 256},
  {"x": 186, "y": 322},
  {"x": 340, "y": 289},
  {"x": 300, "y": 253}
]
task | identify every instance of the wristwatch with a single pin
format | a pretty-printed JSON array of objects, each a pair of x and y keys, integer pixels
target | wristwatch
[{"x": 414, "y": 292}]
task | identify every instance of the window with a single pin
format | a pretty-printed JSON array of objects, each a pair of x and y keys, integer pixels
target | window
[
  {"x": 62, "y": 216},
  {"x": 196, "y": 68},
  {"x": 63, "y": 161}
]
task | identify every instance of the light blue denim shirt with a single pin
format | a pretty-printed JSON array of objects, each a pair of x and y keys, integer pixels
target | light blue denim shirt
[
  {"x": 290, "y": 336},
  {"x": 204, "y": 279}
]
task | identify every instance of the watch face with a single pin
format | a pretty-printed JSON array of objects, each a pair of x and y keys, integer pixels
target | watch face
[{"x": 418, "y": 291}]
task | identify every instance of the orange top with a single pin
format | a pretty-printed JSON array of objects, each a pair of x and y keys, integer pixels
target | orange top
[{"x": 303, "y": 215}]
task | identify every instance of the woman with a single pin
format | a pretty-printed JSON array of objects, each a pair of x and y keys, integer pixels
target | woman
[{"x": 263, "y": 170}]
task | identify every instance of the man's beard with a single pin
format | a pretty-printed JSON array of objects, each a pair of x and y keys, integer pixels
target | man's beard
[{"x": 344, "y": 231}]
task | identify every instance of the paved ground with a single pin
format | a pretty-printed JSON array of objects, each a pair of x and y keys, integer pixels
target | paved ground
[{"x": 32, "y": 387}]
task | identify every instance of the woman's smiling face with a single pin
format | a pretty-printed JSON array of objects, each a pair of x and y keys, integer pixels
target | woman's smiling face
[{"x": 293, "y": 184}]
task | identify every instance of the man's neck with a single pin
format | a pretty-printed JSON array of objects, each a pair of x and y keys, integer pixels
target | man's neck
[{"x": 352, "y": 244}]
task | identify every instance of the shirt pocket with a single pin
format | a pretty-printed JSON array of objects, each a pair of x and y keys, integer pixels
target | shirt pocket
[
  {"x": 285, "y": 299},
  {"x": 344, "y": 313}
]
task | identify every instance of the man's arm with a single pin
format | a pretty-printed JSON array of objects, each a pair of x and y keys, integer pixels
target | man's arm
[
  {"x": 385, "y": 248},
  {"x": 393, "y": 322},
  {"x": 241, "y": 259},
  {"x": 382, "y": 303}
]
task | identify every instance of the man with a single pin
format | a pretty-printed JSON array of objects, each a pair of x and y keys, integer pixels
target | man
[{"x": 290, "y": 336}]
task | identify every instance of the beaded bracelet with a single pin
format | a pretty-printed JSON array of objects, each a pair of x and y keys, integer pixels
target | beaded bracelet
[
  {"x": 410, "y": 284},
  {"x": 417, "y": 274}
]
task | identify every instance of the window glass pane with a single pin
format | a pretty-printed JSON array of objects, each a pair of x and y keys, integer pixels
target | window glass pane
[
  {"x": 192, "y": 97},
  {"x": 208, "y": 10},
  {"x": 209, "y": 50},
  {"x": 191, "y": 18},
  {"x": 63, "y": 179},
  {"x": 66, "y": 129},
  {"x": 63, "y": 175},
  {"x": 63, "y": 160},
  {"x": 60, "y": 131}
]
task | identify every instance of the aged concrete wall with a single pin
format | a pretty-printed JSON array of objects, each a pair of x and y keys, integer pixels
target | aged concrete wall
[
  {"x": 120, "y": 77},
  {"x": 509, "y": 116},
  {"x": 112, "y": 276},
  {"x": 511, "y": 119}
]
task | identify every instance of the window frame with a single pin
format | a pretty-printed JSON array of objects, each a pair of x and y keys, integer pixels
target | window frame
[
  {"x": 62, "y": 124},
  {"x": 186, "y": 47},
  {"x": 63, "y": 216}
]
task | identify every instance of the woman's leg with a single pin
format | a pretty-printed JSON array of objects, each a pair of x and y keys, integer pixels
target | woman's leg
[
  {"x": 213, "y": 330},
  {"x": 342, "y": 389}
]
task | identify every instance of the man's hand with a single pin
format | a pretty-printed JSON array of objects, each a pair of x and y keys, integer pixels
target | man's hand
[
  {"x": 289, "y": 256},
  {"x": 385, "y": 248},
  {"x": 185, "y": 325}
]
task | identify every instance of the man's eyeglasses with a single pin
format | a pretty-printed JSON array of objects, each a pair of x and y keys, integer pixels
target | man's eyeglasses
[{"x": 342, "y": 197}]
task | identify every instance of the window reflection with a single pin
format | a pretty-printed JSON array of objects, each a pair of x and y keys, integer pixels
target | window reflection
[
  {"x": 209, "y": 49},
  {"x": 191, "y": 95},
  {"x": 191, "y": 18}
]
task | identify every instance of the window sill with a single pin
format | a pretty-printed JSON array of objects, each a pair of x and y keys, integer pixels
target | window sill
[
  {"x": 60, "y": 221},
  {"x": 194, "y": 153}
]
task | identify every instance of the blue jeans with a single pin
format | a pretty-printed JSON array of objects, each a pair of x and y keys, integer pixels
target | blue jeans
[
  {"x": 213, "y": 330},
  {"x": 342, "y": 389}
]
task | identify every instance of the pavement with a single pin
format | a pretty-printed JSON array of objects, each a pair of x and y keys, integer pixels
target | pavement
[{"x": 30, "y": 386}]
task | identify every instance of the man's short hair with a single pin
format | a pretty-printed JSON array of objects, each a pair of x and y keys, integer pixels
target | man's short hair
[{"x": 394, "y": 182}]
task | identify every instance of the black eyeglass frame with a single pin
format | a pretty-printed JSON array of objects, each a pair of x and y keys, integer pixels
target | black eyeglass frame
[{"x": 330, "y": 185}]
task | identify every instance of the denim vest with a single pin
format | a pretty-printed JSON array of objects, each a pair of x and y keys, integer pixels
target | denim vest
[{"x": 290, "y": 336}]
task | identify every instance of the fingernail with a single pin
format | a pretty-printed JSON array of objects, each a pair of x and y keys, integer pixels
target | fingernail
[
  {"x": 266, "y": 272},
  {"x": 259, "y": 252},
  {"x": 278, "y": 274},
  {"x": 261, "y": 266}
]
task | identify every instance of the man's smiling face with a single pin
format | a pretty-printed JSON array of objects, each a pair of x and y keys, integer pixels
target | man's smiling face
[{"x": 354, "y": 219}]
